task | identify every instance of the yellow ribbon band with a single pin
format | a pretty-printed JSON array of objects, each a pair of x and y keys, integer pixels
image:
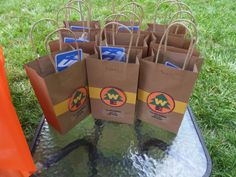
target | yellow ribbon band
[
  {"x": 61, "y": 108},
  {"x": 180, "y": 107},
  {"x": 94, "y": 93}
]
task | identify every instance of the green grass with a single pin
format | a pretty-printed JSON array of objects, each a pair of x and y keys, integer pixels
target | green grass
[{"x": 214, "y": 97}]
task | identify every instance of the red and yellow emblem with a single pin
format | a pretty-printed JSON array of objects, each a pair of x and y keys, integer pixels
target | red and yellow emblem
[
  {"x": 77, "y": 99},
  {"x": 113, "y": 96},
  {"x": 160, "y": 102}
]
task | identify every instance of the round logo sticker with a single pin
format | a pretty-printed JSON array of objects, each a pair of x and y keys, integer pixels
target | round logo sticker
[
  {"x": 113, "y": 96},
  {"x": 77, "y": 99},
  {"x": 160, "y": 102}
]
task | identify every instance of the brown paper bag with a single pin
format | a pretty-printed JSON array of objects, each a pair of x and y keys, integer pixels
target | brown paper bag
[
  {"x": 63, "y": 96},
  {"x": 174, "y": 39},
  {"x": 113, "y": 85},
  {"x": 164, "y": 92}
]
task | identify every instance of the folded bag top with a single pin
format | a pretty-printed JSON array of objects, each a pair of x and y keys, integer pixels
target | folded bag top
[
  {"x": 113, "y": 84},
  {"x": 62, "y": 95},
  {"x": 163, "y": 91}
]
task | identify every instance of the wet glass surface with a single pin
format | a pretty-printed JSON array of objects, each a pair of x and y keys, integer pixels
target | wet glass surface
[{"x": 108, "y": 149}]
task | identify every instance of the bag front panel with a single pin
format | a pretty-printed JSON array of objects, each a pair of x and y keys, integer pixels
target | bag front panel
[
  {"x": 112, "y": 89},
  {"x": 41, "y": 92},
  {"x": 63, "y": 96},
  {"x": 68, "y": 91},
  {"x": 163, "y": 94}
]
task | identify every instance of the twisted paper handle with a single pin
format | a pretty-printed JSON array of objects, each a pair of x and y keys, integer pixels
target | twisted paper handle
[
  {"x": 80, "y": 2},
  {"x": 33, "y": 28}
]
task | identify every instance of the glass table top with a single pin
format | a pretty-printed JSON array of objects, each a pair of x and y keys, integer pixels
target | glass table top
[{"x": 105, "y": 149}]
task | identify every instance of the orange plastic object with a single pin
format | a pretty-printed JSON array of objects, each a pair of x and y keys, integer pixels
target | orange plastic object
[{"x": 15, "y": 156}]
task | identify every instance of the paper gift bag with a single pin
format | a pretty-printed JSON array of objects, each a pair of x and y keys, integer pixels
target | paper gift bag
[
  {"x": 164, "y": 91},
  {"x": 113, "y": 85},
  {"x": 174, "y": 39},
  {"x": 84, "y": 22},
  {"x": 174, "y": 42},
  {"x": 15, "y": 157},
  {"x": 63, "y": 95}
]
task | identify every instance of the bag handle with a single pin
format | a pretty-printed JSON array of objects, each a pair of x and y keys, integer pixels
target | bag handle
[
  {"x": 181, "y": 12},
  {"x": 46, "y": 43},
  {"x": 185, "y": 21},
  {"x": 171, "y": 2},
  {"x": 188, "y": 9},
  {"x": 134, "y": 5},
  {"x": 124, "y": 14},
  {"x": 180, "y": 6},
  {"x": 193, "y": 42},
  {"x": 183, "y": 5},
  {"x": 113, "y": 6},
  {"x": 71, "y": 8},
  {"x": 113, "y": 25},
  {"x": 139, "y": 23},
  {"x": 33, "y": 28},
  {"x": 134, "y": 15},
  {"x": 80, "y": 2},
  {"x": 118, "y": 24},
  {"x": 132, "y": 22}
]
